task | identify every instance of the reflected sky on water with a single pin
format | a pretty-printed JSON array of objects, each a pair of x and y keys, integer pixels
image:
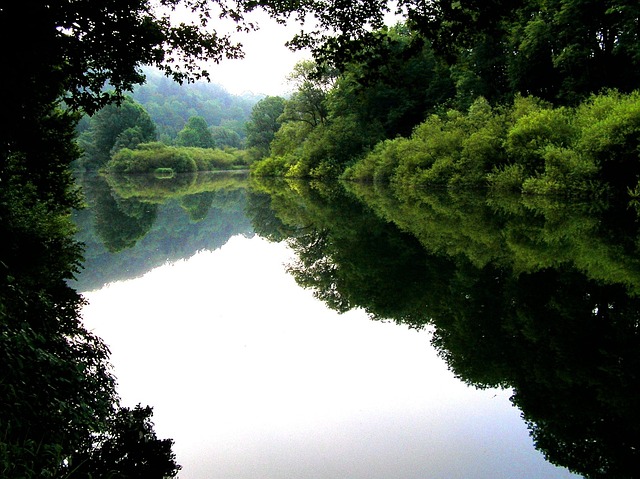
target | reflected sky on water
[{"x": 255, "y": 378}]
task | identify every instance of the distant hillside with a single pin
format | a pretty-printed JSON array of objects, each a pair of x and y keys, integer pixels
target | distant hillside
[{"x": 170, "y": 105}]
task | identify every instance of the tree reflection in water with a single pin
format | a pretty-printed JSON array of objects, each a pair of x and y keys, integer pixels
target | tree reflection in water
[
  {"x": 535, "y": 295},
  {"x": 539, "y": 296}
]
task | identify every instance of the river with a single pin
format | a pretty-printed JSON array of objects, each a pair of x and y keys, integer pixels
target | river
[{"x": 302, "y": 330}]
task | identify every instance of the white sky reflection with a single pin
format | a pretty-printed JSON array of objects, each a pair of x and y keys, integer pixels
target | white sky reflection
[{"x": 254, "y": 378}]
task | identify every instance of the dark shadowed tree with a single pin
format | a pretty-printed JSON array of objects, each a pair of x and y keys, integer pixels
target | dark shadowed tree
[{"x": 129, "y": 448}]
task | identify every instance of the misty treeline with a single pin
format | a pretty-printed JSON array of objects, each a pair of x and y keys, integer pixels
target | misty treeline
[{"x": 185, "y": 127}]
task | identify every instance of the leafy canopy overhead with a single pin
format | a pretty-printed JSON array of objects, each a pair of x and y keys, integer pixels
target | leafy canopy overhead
[{"x": 78, "y": 47}]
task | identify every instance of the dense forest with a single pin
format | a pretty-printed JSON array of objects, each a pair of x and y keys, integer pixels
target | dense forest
[
  {"x": 536, "y": 97},
  {"x": 529, "y": 95},
  {"x": 171, "y": 105}
]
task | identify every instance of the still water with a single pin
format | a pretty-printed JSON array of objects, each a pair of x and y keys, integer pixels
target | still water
[{"x": 277, "y": 336}]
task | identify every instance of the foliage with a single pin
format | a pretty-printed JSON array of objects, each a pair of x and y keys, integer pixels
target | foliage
[
  {"x": 170, "y": 105},
  {"x": 311, "y": 82},
  {"x": 610, "y": 136},
  {"x": 445, "y": 56},
  {"x": 271, "y": 167},
  {"x": 330, "y": 120},
  {"x": 530, "y": 147},
  {"x": 264, "y": 123},
  {"x": 224, "y": 137},
  {"x": 112, "y": 128},
  {"x": 56, "y": 385},
  {"x": 195, "y": 133},
  {"x": 129, "y": 448},
  {"x": 148, "y": 157},
  {"x": 561, "y": 51}
]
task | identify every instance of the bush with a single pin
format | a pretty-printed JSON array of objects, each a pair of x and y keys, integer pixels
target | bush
[
  {"x": 611, "y": 136},
  {"x": 506, "y": 178},
  {"x": 149, "y": 157},
  {"x": 528, "y": 138},
  {"x": 566, "y": 173},
  {"x": 272, "y": 166},
  {"x": 328, "y": 168},
  {"x": 380, "y": 164}
]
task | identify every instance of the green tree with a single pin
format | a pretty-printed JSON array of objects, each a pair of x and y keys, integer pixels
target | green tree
[
  {"x": 263, "y": 123},
  {"x": 115, "y": 127},
  {"x": 224, "y": 137},
  {"x": 562, "y": 50},
  {"x": 195, "y": 133},
  {"x": 311, "y": 83}
]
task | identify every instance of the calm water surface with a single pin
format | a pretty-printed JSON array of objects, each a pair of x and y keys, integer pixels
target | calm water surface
[{"x": 254, "y": 376}]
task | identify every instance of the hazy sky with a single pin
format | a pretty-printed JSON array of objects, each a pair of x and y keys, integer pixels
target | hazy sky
[
  {"x": 267, "y": 60},
  {"x": 255, "y": 379}
]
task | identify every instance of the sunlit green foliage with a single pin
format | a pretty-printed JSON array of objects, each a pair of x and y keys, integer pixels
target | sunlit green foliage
[
  {"x": 610, "y": 136},
  {"x": 529, "y": 147},
  {"x": 330, "y": 121},
  {"x": 148, "y": 157},
  {"x": 517, "y": 56}
]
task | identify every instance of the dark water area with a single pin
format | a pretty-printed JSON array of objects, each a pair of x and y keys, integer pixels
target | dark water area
[{"x": 306, "y": 329}]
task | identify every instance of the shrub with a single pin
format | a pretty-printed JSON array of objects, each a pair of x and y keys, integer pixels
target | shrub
[
  {"x": 150, "y": 156},
  {"x": 533, "y": 132},
  {"x": 273, "y": 166},
  {"x": 162, "y": 173},
  {"x": 506, "y": 178},
  {"x": 611, "y": 136}
]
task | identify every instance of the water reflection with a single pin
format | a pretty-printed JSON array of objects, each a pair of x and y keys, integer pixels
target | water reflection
[
  {"x": 275, "y": 385},
  {"x": 536, "y": 297},
  {"x": 135, "y": 223}
]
